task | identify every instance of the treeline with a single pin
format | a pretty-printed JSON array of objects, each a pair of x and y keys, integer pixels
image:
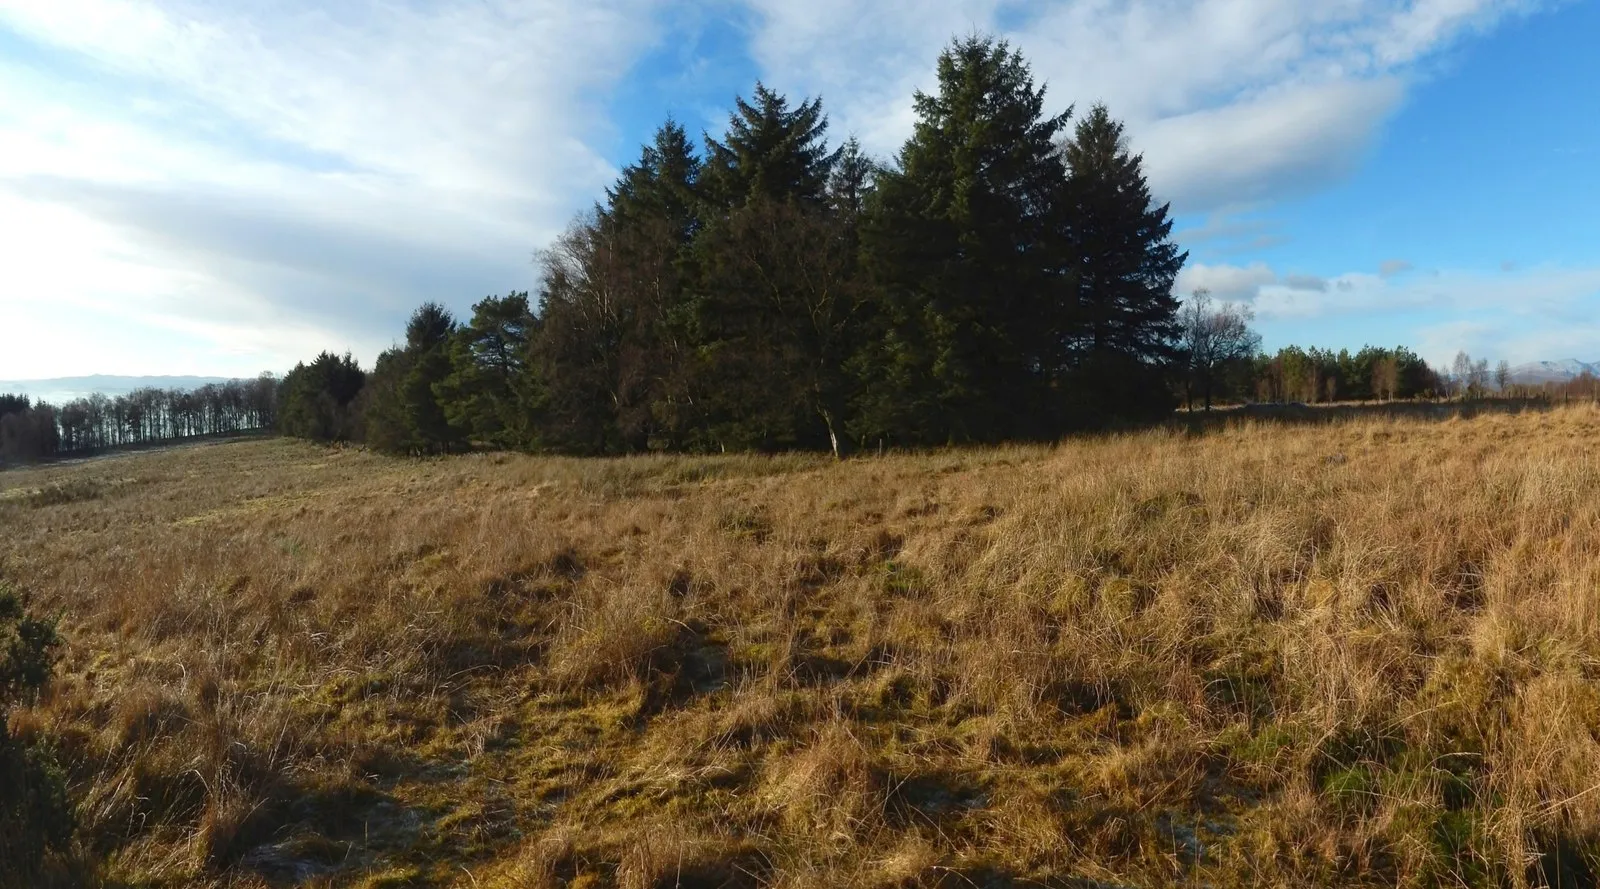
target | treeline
[
  {"x": 1007, "y": 275},
  {"x": 38, "y": 430},
  {"x": 1315, "y": 376}
]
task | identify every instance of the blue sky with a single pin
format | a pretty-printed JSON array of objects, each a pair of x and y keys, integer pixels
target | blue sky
[{"x": 219, "y": 188}]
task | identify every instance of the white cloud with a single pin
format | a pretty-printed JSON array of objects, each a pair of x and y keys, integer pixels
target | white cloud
[
  {"x": 1226, "y": 282},
  {"x": 1231, "y": 101},
  {"x": 254, "y": 183},
  {"x": 1537, "y": 313}
]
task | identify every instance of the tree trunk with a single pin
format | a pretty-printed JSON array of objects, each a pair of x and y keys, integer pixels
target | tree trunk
[{"x": 833, "y": 434}]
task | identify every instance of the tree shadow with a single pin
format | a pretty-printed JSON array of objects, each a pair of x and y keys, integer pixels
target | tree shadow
[{"x": 1200, "y": 422}]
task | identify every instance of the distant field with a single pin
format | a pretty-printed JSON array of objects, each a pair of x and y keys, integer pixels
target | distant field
[{"x": 1357, "y": 653}]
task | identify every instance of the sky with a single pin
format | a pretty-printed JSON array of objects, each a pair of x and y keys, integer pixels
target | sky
[{"x": 225, "y": 187}]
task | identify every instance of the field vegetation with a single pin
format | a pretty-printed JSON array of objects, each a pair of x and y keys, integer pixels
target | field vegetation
[{"x": 1356, "y": 653}]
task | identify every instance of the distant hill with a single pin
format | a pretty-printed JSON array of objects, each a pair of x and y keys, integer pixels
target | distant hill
[
  {"x": 63, "y": 389},
  {"x": 1539, "y": 372}
]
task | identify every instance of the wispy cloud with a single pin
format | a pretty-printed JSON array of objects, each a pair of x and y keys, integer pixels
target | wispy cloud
[
  {"x": 1527, "y": 314},
  {"x": 278, "y": 180},
  {"x": 1231, "y": 101}
]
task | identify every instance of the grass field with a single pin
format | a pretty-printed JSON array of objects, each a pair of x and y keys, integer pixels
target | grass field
[{"x": 1360, "y": 653}]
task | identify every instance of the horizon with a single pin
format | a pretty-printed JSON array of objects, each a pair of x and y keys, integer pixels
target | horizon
[{"x": 232, "y": 199}]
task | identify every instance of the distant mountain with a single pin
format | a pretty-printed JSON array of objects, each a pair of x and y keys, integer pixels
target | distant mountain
[
  {"x": 1538, "y": 372},
  {"x": 63, "y": 389}
]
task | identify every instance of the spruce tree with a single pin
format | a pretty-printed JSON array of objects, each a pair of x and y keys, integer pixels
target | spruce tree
[
  {"x": 1125, "y": 264},
  {"x": 616, "y": 309},
  {"x": 966, "y": 259},
  {"x": 773, "y": 301},
  {"x": 770, "y": 150},
  {"x": 405, "y": 409},
  {"x": 652, "y": 217}
]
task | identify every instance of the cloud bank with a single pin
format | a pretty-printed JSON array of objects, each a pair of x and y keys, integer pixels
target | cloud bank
[
  {"x": 1231, "y": 101},
  {"x": 204, "y": 186}
]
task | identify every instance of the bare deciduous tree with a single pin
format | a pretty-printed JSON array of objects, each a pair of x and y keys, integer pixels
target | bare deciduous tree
[{"x": 1213, "y": 336}]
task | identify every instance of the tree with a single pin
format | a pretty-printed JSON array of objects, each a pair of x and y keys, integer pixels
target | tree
[
  {"x": 1478, "y": 378},
  {"x": 317, "y": 399},
  {"x": 1124, "y": 266},
  {"x": 1461, "y": 374},
  {"x": 1213, "y": 338},
  {"x": 770, "y": 151},
  {"x": 776, "y": 304},
  {"x": 578, "y": 352},
  {"x": 967, "y": 262},
  {"x": 405, "y": 411},
  {"x": 783, "y": 326},
  {"x": 1386, "y": 377},
  {"x": 488, "y": 393},
  {"x": 1502, "y": 376}
]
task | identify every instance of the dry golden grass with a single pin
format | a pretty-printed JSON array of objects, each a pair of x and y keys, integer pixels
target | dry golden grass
[{"x": 1363, "y": 653}]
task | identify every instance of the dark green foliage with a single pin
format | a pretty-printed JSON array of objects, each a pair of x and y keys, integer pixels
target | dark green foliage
[
  {"x": 487, "y": 393},
  {"x": 405, "y": 408},
  {"x": 965, "y": 251},
  {"x": 614, "y": 358},
  {"x": 35, "y": 816},
  {"x": 1317, "y": 375},
  {"x": 776, "y": 303},
  {"x": 317, "y": 400},
  {"x": 770, "y": 151},
  {"x": 1124, "y": 266},
  {"x": 777, "y": 326},
  {"x": 27, "y": 431},
  {"x": 1006, "y": 277}
]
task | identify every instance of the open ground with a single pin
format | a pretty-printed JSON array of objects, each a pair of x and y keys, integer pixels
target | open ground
[{"x": 1361, "y": 652}]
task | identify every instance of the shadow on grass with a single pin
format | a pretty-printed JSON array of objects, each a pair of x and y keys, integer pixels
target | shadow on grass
[{"x": 1199, "y": 422}]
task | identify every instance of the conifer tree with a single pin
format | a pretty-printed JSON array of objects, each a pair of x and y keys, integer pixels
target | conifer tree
[
  {"x": 965, "y": 258},
  {"x": 652, "y": 217},
  {"x": 315, "y": 400},
  {"x": 773, "y": 297},
  {"x": 405, "y": 412},
  {"x": 487, "y": 393},
  {"x": 1125, "y": 264},
  {"x": 770, "y": 150}
]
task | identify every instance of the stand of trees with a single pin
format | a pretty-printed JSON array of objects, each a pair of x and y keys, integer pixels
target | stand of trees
[
  {"x": 37, "y": 430},
  {"x": 1007, "y": 275}
]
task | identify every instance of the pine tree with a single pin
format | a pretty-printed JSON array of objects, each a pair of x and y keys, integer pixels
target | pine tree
[
  {"x": 1125, "y": 264},
  {"x": 963, "y": 251},
  {"x": 487, "y": 393}
]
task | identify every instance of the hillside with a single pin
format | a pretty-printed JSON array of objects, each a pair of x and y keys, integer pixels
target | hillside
[
  {"x": 1537, "y": 373},
  {"x": 1357, "y": 654}
]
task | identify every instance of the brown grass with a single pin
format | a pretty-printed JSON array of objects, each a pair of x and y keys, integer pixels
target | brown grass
[{"x": 1362, "y": 653}]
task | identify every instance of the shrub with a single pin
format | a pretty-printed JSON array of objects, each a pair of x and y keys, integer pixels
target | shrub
[{"x": 35, "y": 818}]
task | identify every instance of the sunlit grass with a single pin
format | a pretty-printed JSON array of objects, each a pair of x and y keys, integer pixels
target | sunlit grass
[{"x": 1362, "y": 653}]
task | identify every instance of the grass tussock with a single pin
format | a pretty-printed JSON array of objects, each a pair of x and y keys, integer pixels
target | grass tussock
[{"x": 1358, "y": 653}]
